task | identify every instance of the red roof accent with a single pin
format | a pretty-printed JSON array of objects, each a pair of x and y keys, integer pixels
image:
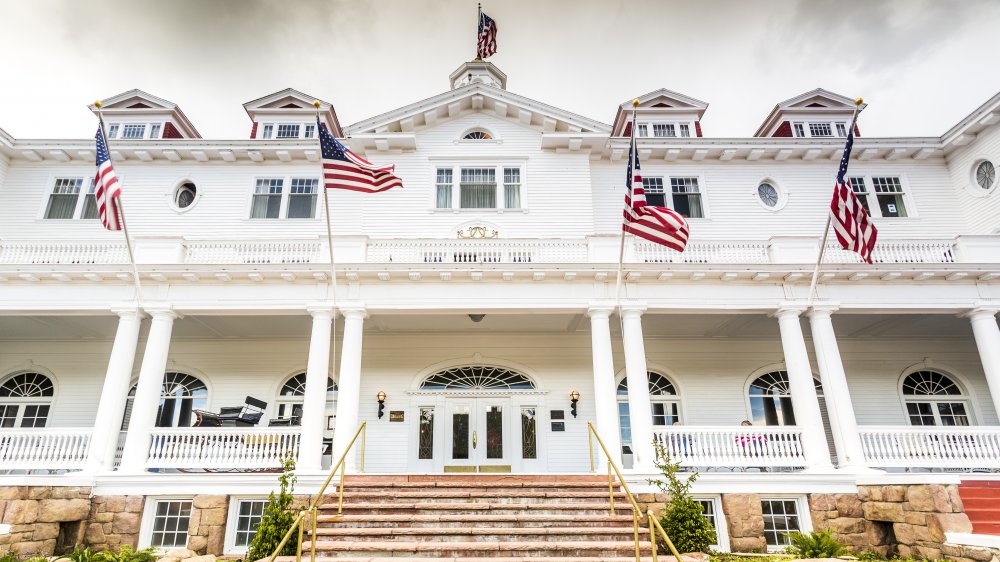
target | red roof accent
[
  {"x": 171, "y": 132},
  {"x": 783, "y": 130},
  {"x": 138, "y": 106},
  {"x": 857, "y": 131},
  {"x": 253, "y": 131},
  {"x": 661, "y": 104},
  {"x": 291, "y": 106},
  {"x": 697, "y": 128},
  {"x": 814, "y": 104},
  {"x": 628, "y": 130}
]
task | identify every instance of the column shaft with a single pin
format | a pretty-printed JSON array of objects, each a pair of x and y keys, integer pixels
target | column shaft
[
  {"x": 987, "y": 334},
  {"x": 349, "y": 385},
  {"x": 640, "y": 409},
  {"x": 605, "y": 397},
  {"x": 314, "y": 401}
]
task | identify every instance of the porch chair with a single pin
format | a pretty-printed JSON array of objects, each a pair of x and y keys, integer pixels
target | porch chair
[{"x": 248, "y": 414}]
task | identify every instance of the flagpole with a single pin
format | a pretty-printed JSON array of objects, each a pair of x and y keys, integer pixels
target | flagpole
[
  {"x": 621, "y": 246},
  {"x": 121, "y": 212},
  {"x": 479, "y": 21},
  {"x": 326, "y": 208},
  {"x": 829, "y": 217}
]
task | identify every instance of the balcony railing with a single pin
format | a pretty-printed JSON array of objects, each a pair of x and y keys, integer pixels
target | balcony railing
[
  {"x": 69, "y": 252},
  {"x": 252, "y": 251},
  {"x": 897, "y": 251},
  {"x": 477, "y": 251},
  {"x": 735, "y": 447},
  {"x": 44, "y": 448},
  {"x": 223, "y": 448},
  {"x": 715, "y": 251},
  {"x": 926, "y": 447}
]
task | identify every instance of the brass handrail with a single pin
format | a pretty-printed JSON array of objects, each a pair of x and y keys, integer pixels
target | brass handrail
[
  {"x": 313, "y": 510},
  {"x": 636, "y": 511}
]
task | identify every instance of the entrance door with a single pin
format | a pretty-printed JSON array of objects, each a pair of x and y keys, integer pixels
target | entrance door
[{"x": 477, "y": 435}]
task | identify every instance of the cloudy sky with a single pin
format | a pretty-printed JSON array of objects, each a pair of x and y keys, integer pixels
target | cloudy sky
[{"x": 921, "y": 65}]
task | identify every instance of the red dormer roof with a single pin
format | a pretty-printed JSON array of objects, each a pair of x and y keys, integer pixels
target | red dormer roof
[
  {"x": 292, "y": 102},
  {"x": 140, "y": 103}
]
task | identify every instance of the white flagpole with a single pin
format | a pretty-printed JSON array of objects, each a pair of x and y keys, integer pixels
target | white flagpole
[
  {"x": 621, "y": 248},
  {"x": 121, "y": 212},
  {"x": 326, "y": 207},
  {"x": 829, "y": 217}
]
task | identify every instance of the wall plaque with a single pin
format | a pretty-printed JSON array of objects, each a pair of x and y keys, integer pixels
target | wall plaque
[
  {"x": 557, "y": 414},
  {"x": 395, "y": 415},
  {"x": 558, "y": 426}
]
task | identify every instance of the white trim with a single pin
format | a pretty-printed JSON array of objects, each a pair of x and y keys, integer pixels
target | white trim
[
  {"x": 148, "y": 516},
  {"x": 232, "y": 517},
  {"x": 972, "y": 539},
  {"x": 802, "y": 513},
  {"x": 721, "y": 525},
  {"x": 973, "y": 186},
  {"x": 782, "y": 194}
]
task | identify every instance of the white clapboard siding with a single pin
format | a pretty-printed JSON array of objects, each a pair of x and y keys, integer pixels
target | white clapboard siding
[{"x": 982, "y": 213}]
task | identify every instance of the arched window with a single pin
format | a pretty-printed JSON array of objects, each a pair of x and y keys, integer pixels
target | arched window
[
  {"x": 933, "y": 398},
  {"x": 664, "y": 402},
  {"x": 291, "y": 395},
  {"x": 478, "y": 134},
  {"x": 180, "y": 395},
  {"x": 25, "y": 400},
  {"x": 771, "y": 399},
  {"x": 477, "y": 377}
]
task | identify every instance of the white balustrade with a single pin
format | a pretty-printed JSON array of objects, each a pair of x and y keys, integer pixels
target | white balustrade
[
  {"x": 252, "y": 251},
  {"x": 477, "y": 251},
  {"x": 64, "y": 253},
  {"x": 222, "y": 447},
  {"x": 931, "y": 447},
  {"x": 727, "y": 446},
  {"x": 896, "y": 251},
  {"x": 44, "y": 448},
  {"x": 704, "y": 251}
]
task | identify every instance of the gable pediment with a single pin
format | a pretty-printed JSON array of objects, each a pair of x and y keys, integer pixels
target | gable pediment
[
  {"x": 137, "y": 103},
  {"x": 813, "y": 102},
  {"x": 292, "y": 102},
  {"x": 818, "y": 99},
  {"x": 662, "y": 102},
  {"x": 476, "y": 98},
  {"x": 136, "y": 99}
]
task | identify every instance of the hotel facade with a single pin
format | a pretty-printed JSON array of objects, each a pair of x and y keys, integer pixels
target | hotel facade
[{"x": 473, "y": 322}]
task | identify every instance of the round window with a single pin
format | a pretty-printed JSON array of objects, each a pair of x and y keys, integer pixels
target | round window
[
  {"x": 986, "y": 174},
  {"x": 768, "y": 195},
  {"x": 185, "y": 194}
]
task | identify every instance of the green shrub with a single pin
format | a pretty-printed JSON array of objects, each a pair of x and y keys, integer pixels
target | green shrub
[
  {"x": 81, "y": 554},
  {"x": 870, "y": 556},
  {"x": 125, "y": 553},
  {"x": 9, "y": 557},
  {"x": 277, "y": 518},
  {"x": 682, "y": 518},
  {"x": 814, "y": 545}
]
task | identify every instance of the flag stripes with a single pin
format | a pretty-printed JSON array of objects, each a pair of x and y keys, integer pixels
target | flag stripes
[
  {"x": 659, "y": 225},
  {"x": 106, "y": 186},
  {"x": 850, "y": 221},
  {"x": 342, "y": 169}
]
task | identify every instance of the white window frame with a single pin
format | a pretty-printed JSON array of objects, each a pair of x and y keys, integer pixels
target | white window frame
[
  {"x": 276, "y": 124},
  {"x": 721, "y": 525},
  {"x": 802, "y": 128},
  {"x": 966, "y": 399},
  {"x": 782, "y": 194},
  {"x": 801, "y": 511},
  {"x": 149, "y": 516},
  {"x": 872, "y": 195},
  {"x": 126, "y": 126},
  {"x": 650, "y": 126},
  {"x": 232, "y": 518},
  {"x": 456, "y": 179},
  {"x": 973, "y": 186},
  {"x": 668, "y": 198},
  {"x": 279, "y": 126},
  {"x": 286, "y": 190},
  {"x": 86, "y": 186}
]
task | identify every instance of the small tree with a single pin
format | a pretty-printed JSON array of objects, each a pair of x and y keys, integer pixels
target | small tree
[
  {"x": 277, "y": 518},
  {"x": 682, "y": 518}
]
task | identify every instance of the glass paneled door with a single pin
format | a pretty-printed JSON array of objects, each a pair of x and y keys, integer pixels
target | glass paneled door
[{"x": 477, "y": 435}]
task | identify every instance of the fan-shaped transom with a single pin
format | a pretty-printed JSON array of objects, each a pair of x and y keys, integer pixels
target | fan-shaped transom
[
  {"x": 659, "y": 385},
  {"x": 27, "y": 385},
  {"x": 930, "y": 383},
  {"x": 477, "y": 377},
  {"x": 296, "y": 386},
  {"x": 477, "y": 134},
  {"x": 776, "y": 384}
]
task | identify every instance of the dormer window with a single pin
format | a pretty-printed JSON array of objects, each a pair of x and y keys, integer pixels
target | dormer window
[
  {"x": 685, "y": 130},
  {"x": 133, "y": 131},
  {"x": 642, "y": 131},
  {"x": 288, "y": 131},
  {"x": 819, "y": 129},
  {"x": 154, "y": 131},
  {"x": 478, "y": 135},
  {"x": 310, "y": 131},
  {"x": 268, "y": 132},
  {"x": 113, "y": 131},
  {"x": 664, "y": 130},
  {"x": 841, "y": 129}
]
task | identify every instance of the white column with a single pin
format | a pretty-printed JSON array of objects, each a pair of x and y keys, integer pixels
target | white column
[
  {"x": 148, "y": 389},
  {"x": 640, "y": 410},
  {"x": 605, "y": 392},
  {"x": 115, "y": 391},
  {"x": 835, "y": 390},
  {"x": 987, "y": 334},
  {"x": 314, "y": 401},
  {"x": 805, "y": 403},
  {"x": 349, "y": 385}
]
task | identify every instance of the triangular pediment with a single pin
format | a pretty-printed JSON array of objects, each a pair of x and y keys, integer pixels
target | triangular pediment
[
  {"x": 137, "y": 103},
  {"x": 136, "y": 99},
  {"x": 658, "y": 102},
  {"x": 474, "y": 98},
  {"x": 811, "y": 103},
  {"x": 293, "y": 102},
  {"x": 818, "y": 99}
]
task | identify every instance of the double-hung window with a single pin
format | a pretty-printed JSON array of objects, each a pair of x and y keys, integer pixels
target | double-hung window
[
  {"x": 653, "y": 188},
  {"x": 889, "y": 192},
  {"x": 860, "y": 189},
  {"x": 642, "y": 130},
  {"x": 267, "y": 198},
  {"x": 63, "y": 198},
  {"x": 309, "y": 131},
  {"x": 512, "y": 188},
  {"x": 820, "y": 130},
  {"x": 685, "y": 129},
  {"x": 268, "y": 132},
  {"x": 113, "y": 130},
  {"x": 686, "y": 197},
  {"x": 841, "y": 129},
  {"x": 800, "y": 129},
  {"x": 302, "y": 198},
  {"x": 154, "y": 131},
  {"x": 478, "y": 188},
  {"x": 134, "y": 131},
  {"x": 90, "y": 203},
  {"x": 286, "y": 131},
  {"x": 443, "y": 185},
  {"x": 664, "y": 130}
]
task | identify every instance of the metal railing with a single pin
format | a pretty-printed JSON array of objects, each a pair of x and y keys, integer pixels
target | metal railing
[
  {"x": 312, "y": 512},
  {"x": 654, "y": 525}
]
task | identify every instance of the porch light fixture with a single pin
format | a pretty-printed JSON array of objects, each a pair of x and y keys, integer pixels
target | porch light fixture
[
  {"x": 574, "y": 397},
  {"x": 381, "y": 404}
]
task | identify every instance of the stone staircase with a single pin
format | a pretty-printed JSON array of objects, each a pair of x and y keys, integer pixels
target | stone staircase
[
  {"x": 981, "y": 499},
  {"x": 452, "y": 516}
]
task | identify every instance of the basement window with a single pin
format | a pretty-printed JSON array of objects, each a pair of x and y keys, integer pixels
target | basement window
[{"x": 170, "y": 522}]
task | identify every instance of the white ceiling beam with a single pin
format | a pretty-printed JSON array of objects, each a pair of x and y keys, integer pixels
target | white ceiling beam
[
  {"x": 228, "y": 155},
  {"x": 812, "y": 154},
  {"x": 755, "y": 154},
  {"x": 761, "y": 276},
  {"x": 255, "y": 277},
  {"x": 671, "y": 154},
  {"x": 224, "y": 277},
  {"x": 783, "y": 154},
  {"x": 59, "y": 155},
  {"x": 869, "y": 153},
  {"x": 172, "y": 155},
  {"x": 548, "y": 124},
  {"x": 85, "y": 154},
  {"x": 256, "y": 155},
  {"x": 896, "y": 153},
  {"x": 93, "y": 277},
  {"x": 144, "y": 155},
  {"x": 962, "y": 140},
  {"x": 729, "y": 276},
  {"x": 924, "y": 153},
  {"x": 283, "y": 155},
  {"x": 956, "y": 276},
  {"x": 31, "y": 155},
  {"x": 700, "y": 154},
  {"x": 190, "y": 276},
  {"x": 199, "y": 155},
  {"x": 288, "y": 276},
  {"x": 727, "y": 154},
  {"x": 644, "y": 154},
  {"x": 118, "y": 156},
  {"x": 923, "y": 276}
]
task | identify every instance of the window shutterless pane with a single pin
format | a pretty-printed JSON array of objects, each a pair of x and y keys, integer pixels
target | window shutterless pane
[
  {"x": 800, "y": 130},
  {"x": 302, "y": 198},
  {"x": 90, "y": 204},
  {"x": 861, "y": 191},
  {"x": 664, "y": 130},
  {"x": 654, "y": 191},
  {"x": 512, "y": 188},
  {"x": 889, "y": 192},
  {"x": 443, "y": 182},
  {"x": 685, "y": 130},
  {"x": 528, "y": 434},
  {"x": 62, "y": 201},
  {"x": 820, "y": 130},
  {"x": 686, "y": 197},
  {"x": 154, "y": 131},
  {"x": 268, "y": 131},
  {"x": 841, "y": 129},
  {"x": 267, "y": 199},
  {"x": 250, "y": 513},
  {"x": 310, "y": 129},
  {"x": 288, "y": 131},
  {"x": 133, "y": 131},
  {"x": 478, "y": 188},
  {"x": 642, "y": 131},
  {"x": 113, "y": 131}
]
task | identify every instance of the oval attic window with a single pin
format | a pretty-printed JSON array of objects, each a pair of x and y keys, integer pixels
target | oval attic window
[
  {"x": 185, "y": 195},
  {"x": 986, "y": 174},
  {"x": 768, "y": 194}
]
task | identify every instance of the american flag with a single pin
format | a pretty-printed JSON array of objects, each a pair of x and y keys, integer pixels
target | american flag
[
  {"x": 656, "y": 224},
  {"x": 851, "y": 223},
  {"x": 106, "y": 187},
  {"x": 342, "y": 169},
  {"x": 487, "y": 36}
]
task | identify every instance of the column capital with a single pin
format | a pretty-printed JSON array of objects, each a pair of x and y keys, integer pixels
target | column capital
[
  {"x": 127, "y": 311},
  {"x": 789, "y": 309},
  {"x": 823, "y": 309},
  {"x": 353, "y": 310},
  {"x": 321, "y": 310},
  {"x": 600, "y": 309},
  {"x": 160, "y": 310},
  {"x": 983, "y": 310},
  {"x": 633, "y": 309}
]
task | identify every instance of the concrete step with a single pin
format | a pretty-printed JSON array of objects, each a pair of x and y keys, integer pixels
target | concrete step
[
  {"x": 463, "y": 534},
  {"x": 401, "y": 558},
  {"x": 584, "y": 508},
  {"x": 980, "y": 484},
  {"x": 490, "y": 496},
  {"x": 476, "y": 519},
  {"x": 476, "y": 480},
  {"x": 988, "y": 503},
  {"x": 479, "y": 548}
]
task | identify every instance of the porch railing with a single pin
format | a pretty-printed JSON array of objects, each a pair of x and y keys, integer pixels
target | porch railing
[
  {"x": 68, "y": 252},
  {"x": 736, "y": 447},
  {"x": 217, "y": 447},
  {"x": 48, "y": 448},
  {"x": 704, "y": 251},
  {"x": 477, "y": 251},
  {"x": 251, "y": 251},
  {"x": 937, "y": 447},
  {"x": 897, "y": 251}
]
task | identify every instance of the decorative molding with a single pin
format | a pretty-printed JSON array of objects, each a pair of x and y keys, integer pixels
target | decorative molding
[{"x": 477, "y": 232}]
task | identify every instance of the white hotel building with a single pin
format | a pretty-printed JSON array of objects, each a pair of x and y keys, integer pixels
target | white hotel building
[{"x": 481, "y": 295}]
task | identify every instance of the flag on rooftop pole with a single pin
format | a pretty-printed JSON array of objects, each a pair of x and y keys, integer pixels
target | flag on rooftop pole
[
  {"x": 486, "y": 45},
  {"x": 106, "y": 186},
  {"x": 850, "y": 220},
  {"x": 342, "y": 169}
]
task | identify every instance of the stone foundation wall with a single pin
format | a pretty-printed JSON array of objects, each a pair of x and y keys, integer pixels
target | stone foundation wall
[
  {"x": 114, "y": 521},
  {"x": 745, "y": 521},
  {"x": 207, "y": 529},
  {"x": 37, "y": 515}
]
